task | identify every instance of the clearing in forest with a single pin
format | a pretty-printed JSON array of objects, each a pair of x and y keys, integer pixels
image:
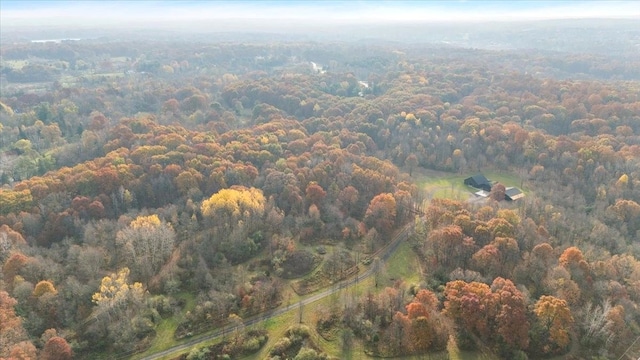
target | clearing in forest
[{"x": 440, "y": 184}]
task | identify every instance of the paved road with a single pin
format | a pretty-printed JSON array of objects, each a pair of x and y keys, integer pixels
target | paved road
[{"x": 383, "y": 254}]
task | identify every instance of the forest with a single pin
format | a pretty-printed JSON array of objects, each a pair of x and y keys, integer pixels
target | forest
[{"x": 166, "y": 187}]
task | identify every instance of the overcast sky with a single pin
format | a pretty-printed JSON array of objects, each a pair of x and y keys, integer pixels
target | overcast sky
[{"x": 168, "y": 13}]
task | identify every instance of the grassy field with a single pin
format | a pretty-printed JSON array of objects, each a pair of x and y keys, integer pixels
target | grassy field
[
  {"x": 402, "y": 265},
  {"x": 167, "y": 327},
  {"x": 438, "y": 184}
]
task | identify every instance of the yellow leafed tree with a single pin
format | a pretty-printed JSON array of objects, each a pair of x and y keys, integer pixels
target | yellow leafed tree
[
  {"x": 44, "y": 287},
  {"x": 145, "y": 222},
  {"x": 232, "y": 205},
  {"x": 119, "y": 314},
  {"x": 235, "y": 216},
  {"x": 115, "y": 290},
  {"x": 623, "y": 181}
]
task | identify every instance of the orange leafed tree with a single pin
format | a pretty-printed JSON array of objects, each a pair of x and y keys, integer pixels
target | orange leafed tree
[
  {"x": 13, "y": 265},
  {"x": 23, "y": 350},
  {"x": 381, "y": 213},
  {"x": 44, "y": 287},
  {"x": 428, "y": 331},
  {"x": 555, "y": 316},
  {"x": 11, "y": 331},
  {"x": 573, "y": 260},
  {"x": 12, "y": 236}
]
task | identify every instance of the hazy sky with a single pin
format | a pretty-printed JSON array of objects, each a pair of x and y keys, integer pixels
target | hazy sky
[{"x": 141, "y": 13}]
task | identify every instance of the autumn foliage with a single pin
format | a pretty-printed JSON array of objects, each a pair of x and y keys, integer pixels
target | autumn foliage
[
  {"x": 381, "y": 213},
  {"x": 57, "y": 348},
  {"x": 146, "y": 176}
]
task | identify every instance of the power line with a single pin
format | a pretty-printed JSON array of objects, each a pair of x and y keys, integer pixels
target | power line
[{"x": 629, "y": 348}]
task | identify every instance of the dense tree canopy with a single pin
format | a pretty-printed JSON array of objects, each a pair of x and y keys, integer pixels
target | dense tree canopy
[{"x": 151, "y": 173}]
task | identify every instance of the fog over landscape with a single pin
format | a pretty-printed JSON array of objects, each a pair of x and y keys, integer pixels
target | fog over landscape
[
  {"x": 276, "y": 15},
  {"x": 319, "y": 180},
  {"x": 320, "y": 12},
  {"x": 470, "y": 24}
]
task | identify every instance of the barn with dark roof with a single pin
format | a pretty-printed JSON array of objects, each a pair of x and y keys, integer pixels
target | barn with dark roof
[
  {"x": 478, "y": 181},
  {"x": 513, "y": 193}
]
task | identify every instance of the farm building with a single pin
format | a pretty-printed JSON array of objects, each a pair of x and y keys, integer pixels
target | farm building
[
  {"x": 513, "y": 193},
  {"x": 478, "y": 181}
]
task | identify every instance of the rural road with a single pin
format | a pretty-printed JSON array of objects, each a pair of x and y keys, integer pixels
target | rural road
[{"x": 383, "y": 254}]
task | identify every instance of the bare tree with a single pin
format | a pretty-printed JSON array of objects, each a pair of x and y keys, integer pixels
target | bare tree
[{"x": 145, "y": 245}]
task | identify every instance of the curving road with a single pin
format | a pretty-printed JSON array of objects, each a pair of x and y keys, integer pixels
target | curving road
[{"x": 383, "y": 254}]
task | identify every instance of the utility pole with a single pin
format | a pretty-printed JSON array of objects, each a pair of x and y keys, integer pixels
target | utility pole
[{"x": 300, "y": 311}]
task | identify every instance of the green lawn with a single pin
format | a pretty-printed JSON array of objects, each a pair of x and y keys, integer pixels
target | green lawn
[
  {"x": 276, "y": 327},
  {"x": 505, "y": 179},
  {"x": 404, "y": 265},
  {"x": 164, "y": 335},
  {"x": 438, "y": 184},
  {"x": 167, "y": 327}
]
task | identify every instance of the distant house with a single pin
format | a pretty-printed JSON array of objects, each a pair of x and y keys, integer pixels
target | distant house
[
  {"x": 513, "y": 194},
  {"x": 478, "y": 181}
]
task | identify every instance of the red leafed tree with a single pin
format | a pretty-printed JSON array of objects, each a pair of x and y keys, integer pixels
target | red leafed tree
[
  {"x": 497, "y": 192},
  {"x": 96, "y": 209},
  {"x": 381, "y": 214},
  {"x": 487, "y": 260},
  {"x": 56, "y": 348},
  {"x": 398, "y": 336},
  {"x": 511, "y": 320},
  {"x": 471, "y": 306},
  {"x": 428, "y": 299},
  {"x": 315, "y": 193},
  {"x": 448, "y": 244},
  {"x": 349, "y": 198}
]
